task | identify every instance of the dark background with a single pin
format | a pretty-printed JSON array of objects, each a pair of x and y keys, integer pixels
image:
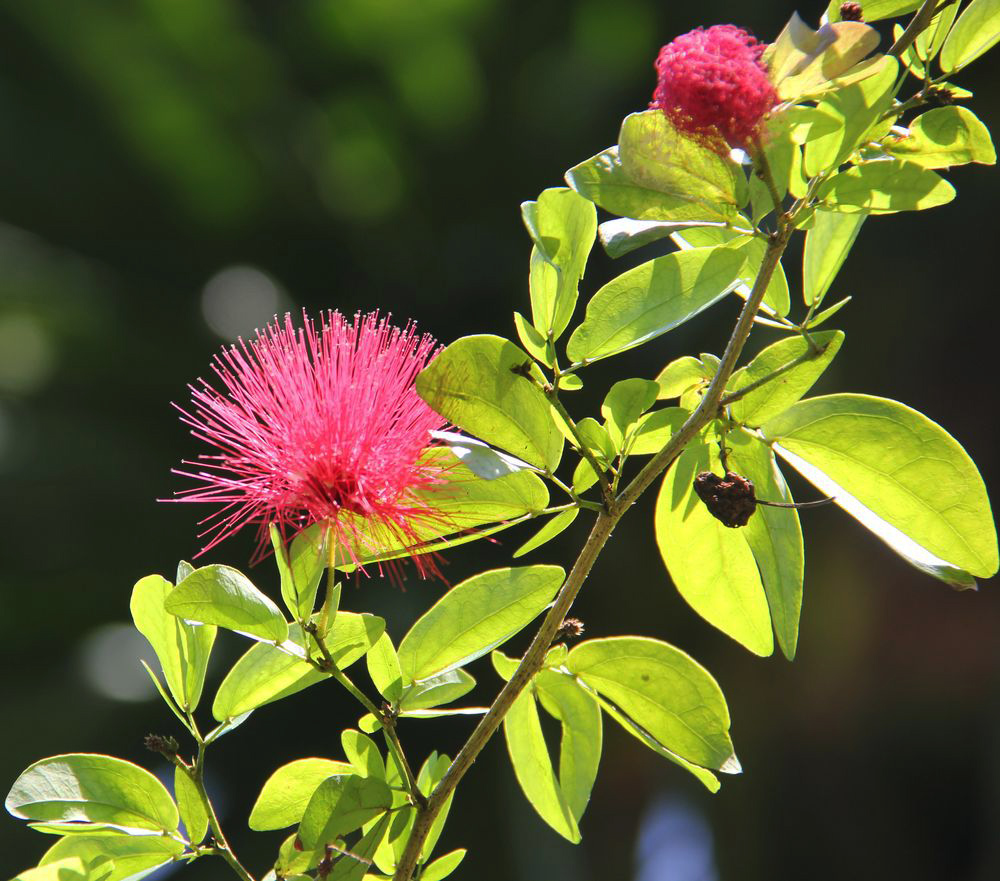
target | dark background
[{"x": 373, "y": 153}]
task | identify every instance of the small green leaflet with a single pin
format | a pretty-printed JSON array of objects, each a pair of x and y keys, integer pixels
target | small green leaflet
[
  {"x": 662, "y": 690},
  {"x": 943, "y": 137},
  {"x": 656, "y": 156},
  {"x": 442, "y": 867},
  {"x": 224, "y": 596},
  {"x": 899, "y": 474},
  {"x": 301, "y": 569},
  {"x": 711, "y": 565},
  {"x": 624, "y": 403},
  {"x": 800, "y": 367},
  {"x": 884, "y": 187},
  {"x": 133, "y": 856},
  {"x": 645, "y": 302},
  {"x": 286, "y": 793},
  {"x": 383, "y": 667},
  {"x": 563, "y": 225},
  {"x": 476, "y": 616},
  {"x": 92, "y": 788},
  {"x": 976, "y": 31},
  {"x": 549, "y": 531},
  {"x": 828, "y": 242},
  {"x": 436, "y": 690},
  {"x": 339, "y": 805},
  {"x": 774, "y": 537},
  {"x": 182, "y": 648},
  {"x": 476, "y": 383},
  {"x": 190, "y": 805}
]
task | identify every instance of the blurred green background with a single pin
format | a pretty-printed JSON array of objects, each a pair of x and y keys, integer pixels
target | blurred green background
[{"x": 174, "y": 172}]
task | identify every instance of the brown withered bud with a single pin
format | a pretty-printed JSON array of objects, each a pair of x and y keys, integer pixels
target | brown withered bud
[
  {"x": 851, "y": 12},
  {"x": 157, "y": 743},
  {"x": 571, "y": 628},
  {"x": 731, "y": 499},
  {"x": 940, "y": 95}
]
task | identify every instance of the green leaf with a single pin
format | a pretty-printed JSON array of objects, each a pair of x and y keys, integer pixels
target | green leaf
[
  {"x": 182, "y": 648},
  {"x": 476, "y": 616},
  {"x": 391, "y": 847},
  {"x": 69, "y": 869},
  {"x": 301, "y": 570},
  {"x": 549, "y": 531},
  {"x": 875, "y": 10},
  {"x": 803, "y": 62},
  {"x": 94, "y": 788},
  {"x": 662, "y": 690},
  {"x": 774, "y": 536},
  {"x": 221, "y": 595},
  {"x": 710, "y": 564},
  {"x": 268, "y": 673},
  {"x": 885, "y": 187},
  {"x": 603, "y": 181},
  {"x": 134, "y": 856},
  {"x": 858, "y": 108},
  {"x": 353, "y": 865},
  {"x": 192, "y": 810},
  {"x": 581, "y": 736},
  {"x": 341, "y": 804},
  {"x": 597, "y": 439},
  {"x": 428, "y": 777},
  {"x": 436, "y": 690},
  {"x": 776, "y": 296},
  {"x": 503, "y": 665},
  {"x": 625, "y": 402},
  {"x": 801, "y": 366},
  {"x": 655, "y": 429},
  {"x": 901, "y": 475},
  {"x": 533, "y": 767},
  {"x": 944, "y": 137},
  {"x": 622, "y": 236},
  {"x": 563, "y": 225},
  {"x": 645, "y": 302},
  {"x": 534, "y": 343},
  {"x": 474, "y": 384},
  {"x": 383, "y": 667},
  {"x": 363, "y": 754},
  {"x": 285, "y": 795},
  {"x": 657, "y": 156},
  {"x": 976, "y": 31},
  {"x": 686, "y": 372},
  {"x": 828, "y": 242},
  {"x": 821, "y": 317},
  {"x": 443, "y": 866}
]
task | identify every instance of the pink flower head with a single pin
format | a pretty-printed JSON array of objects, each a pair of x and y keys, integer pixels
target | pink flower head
[
  {"x": 318, "y": 425},
  {"x": 712, "y": 85}
]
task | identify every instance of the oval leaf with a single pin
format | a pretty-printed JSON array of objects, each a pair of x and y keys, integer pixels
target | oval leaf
[
  {"x": 651, "y": 299},
  {"x": 977, "y": 29},
  {"x": 664, "y": 691},
  {"x": 476, "y": 384},
  {"x": 94, "y": 788},
  {"x": 885, "y": 187},
  {"x": 182, "y": 648},
  {"x": 286, "y": 793},
  {"x": 828, "y": 243},
  {"x": 476, "y": 616},
  {"x": 710, "y": 564},
  {"x": 221, "y": 595},
  {"x": 133, "y": 856},
  {"x": 341, "y": 804},
  {"x": 943, "y": 137},
  {"x": 533, "y": 767},
  {"x": 268, "y": 673},
  {"x": 900, "y": 467},
  {"x": 549, "y": 531}
]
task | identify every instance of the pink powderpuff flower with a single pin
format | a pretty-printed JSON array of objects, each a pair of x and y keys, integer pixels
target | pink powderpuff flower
[
  {"x": 712, "y": 85},
  {"x": 318, "y": 425}
]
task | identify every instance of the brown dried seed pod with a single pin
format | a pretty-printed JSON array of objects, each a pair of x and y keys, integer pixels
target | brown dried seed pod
[{"x": 731, "y": 499}]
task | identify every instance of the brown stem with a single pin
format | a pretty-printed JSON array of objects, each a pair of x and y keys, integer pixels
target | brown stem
[{"x": 533, "y": 659}]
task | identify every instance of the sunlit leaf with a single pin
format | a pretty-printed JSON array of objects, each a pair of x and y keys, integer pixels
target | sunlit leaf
[
  {"x": 133, "y": 856},
  {"x": 182, "y": 648},
  {"x": 286, "y": 793},
  {"x": 383, "y": 667},
  {"x": 476, "y": 616},
  {"x": 436, "y": 690},
  {"x": 943, "y": 137},
  {"x": 549, "y": 531},
  {"x": 341, "y": 804},
  {"x": 476, "y": 383},
  {"x": 94, "y": 788},
  {"x": 221, "y": 595},
  {"x": 828, "y": 242},
  {"x": 710, "y": 564},
  {"x": 663, "y": 690},
  {"x": 976, "y": 31},
  {"x": 897, "y": 472},
  {"x": 190, "y": 805},
  {"x": 885, "y": 187},
  {"x": 645, "y": 302}
]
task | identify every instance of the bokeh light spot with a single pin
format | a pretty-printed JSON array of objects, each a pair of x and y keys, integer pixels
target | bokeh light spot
[
  {"x": 240, "y": 299},
  {"x": 109, "y": 663}
]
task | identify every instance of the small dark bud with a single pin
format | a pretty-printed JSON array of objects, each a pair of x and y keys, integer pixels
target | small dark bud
[
  {"x": 851, "y": 12},
  {"x": 730, "y": 499},
  {"x": 157, "y": 743},
  {"x": 571, "y": 628},
  {"x": 522, "y": 370},
  {"x": 940, "y": 95},
  {"x": 389, "y": 712}
]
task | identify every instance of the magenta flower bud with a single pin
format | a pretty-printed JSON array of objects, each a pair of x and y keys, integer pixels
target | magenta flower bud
[{"x": 712, "y": 85}]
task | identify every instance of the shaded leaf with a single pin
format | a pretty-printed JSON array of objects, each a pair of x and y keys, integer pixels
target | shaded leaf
[
  {"x": 190, "y": 805},
  {"x": 828, "y": 242}
]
